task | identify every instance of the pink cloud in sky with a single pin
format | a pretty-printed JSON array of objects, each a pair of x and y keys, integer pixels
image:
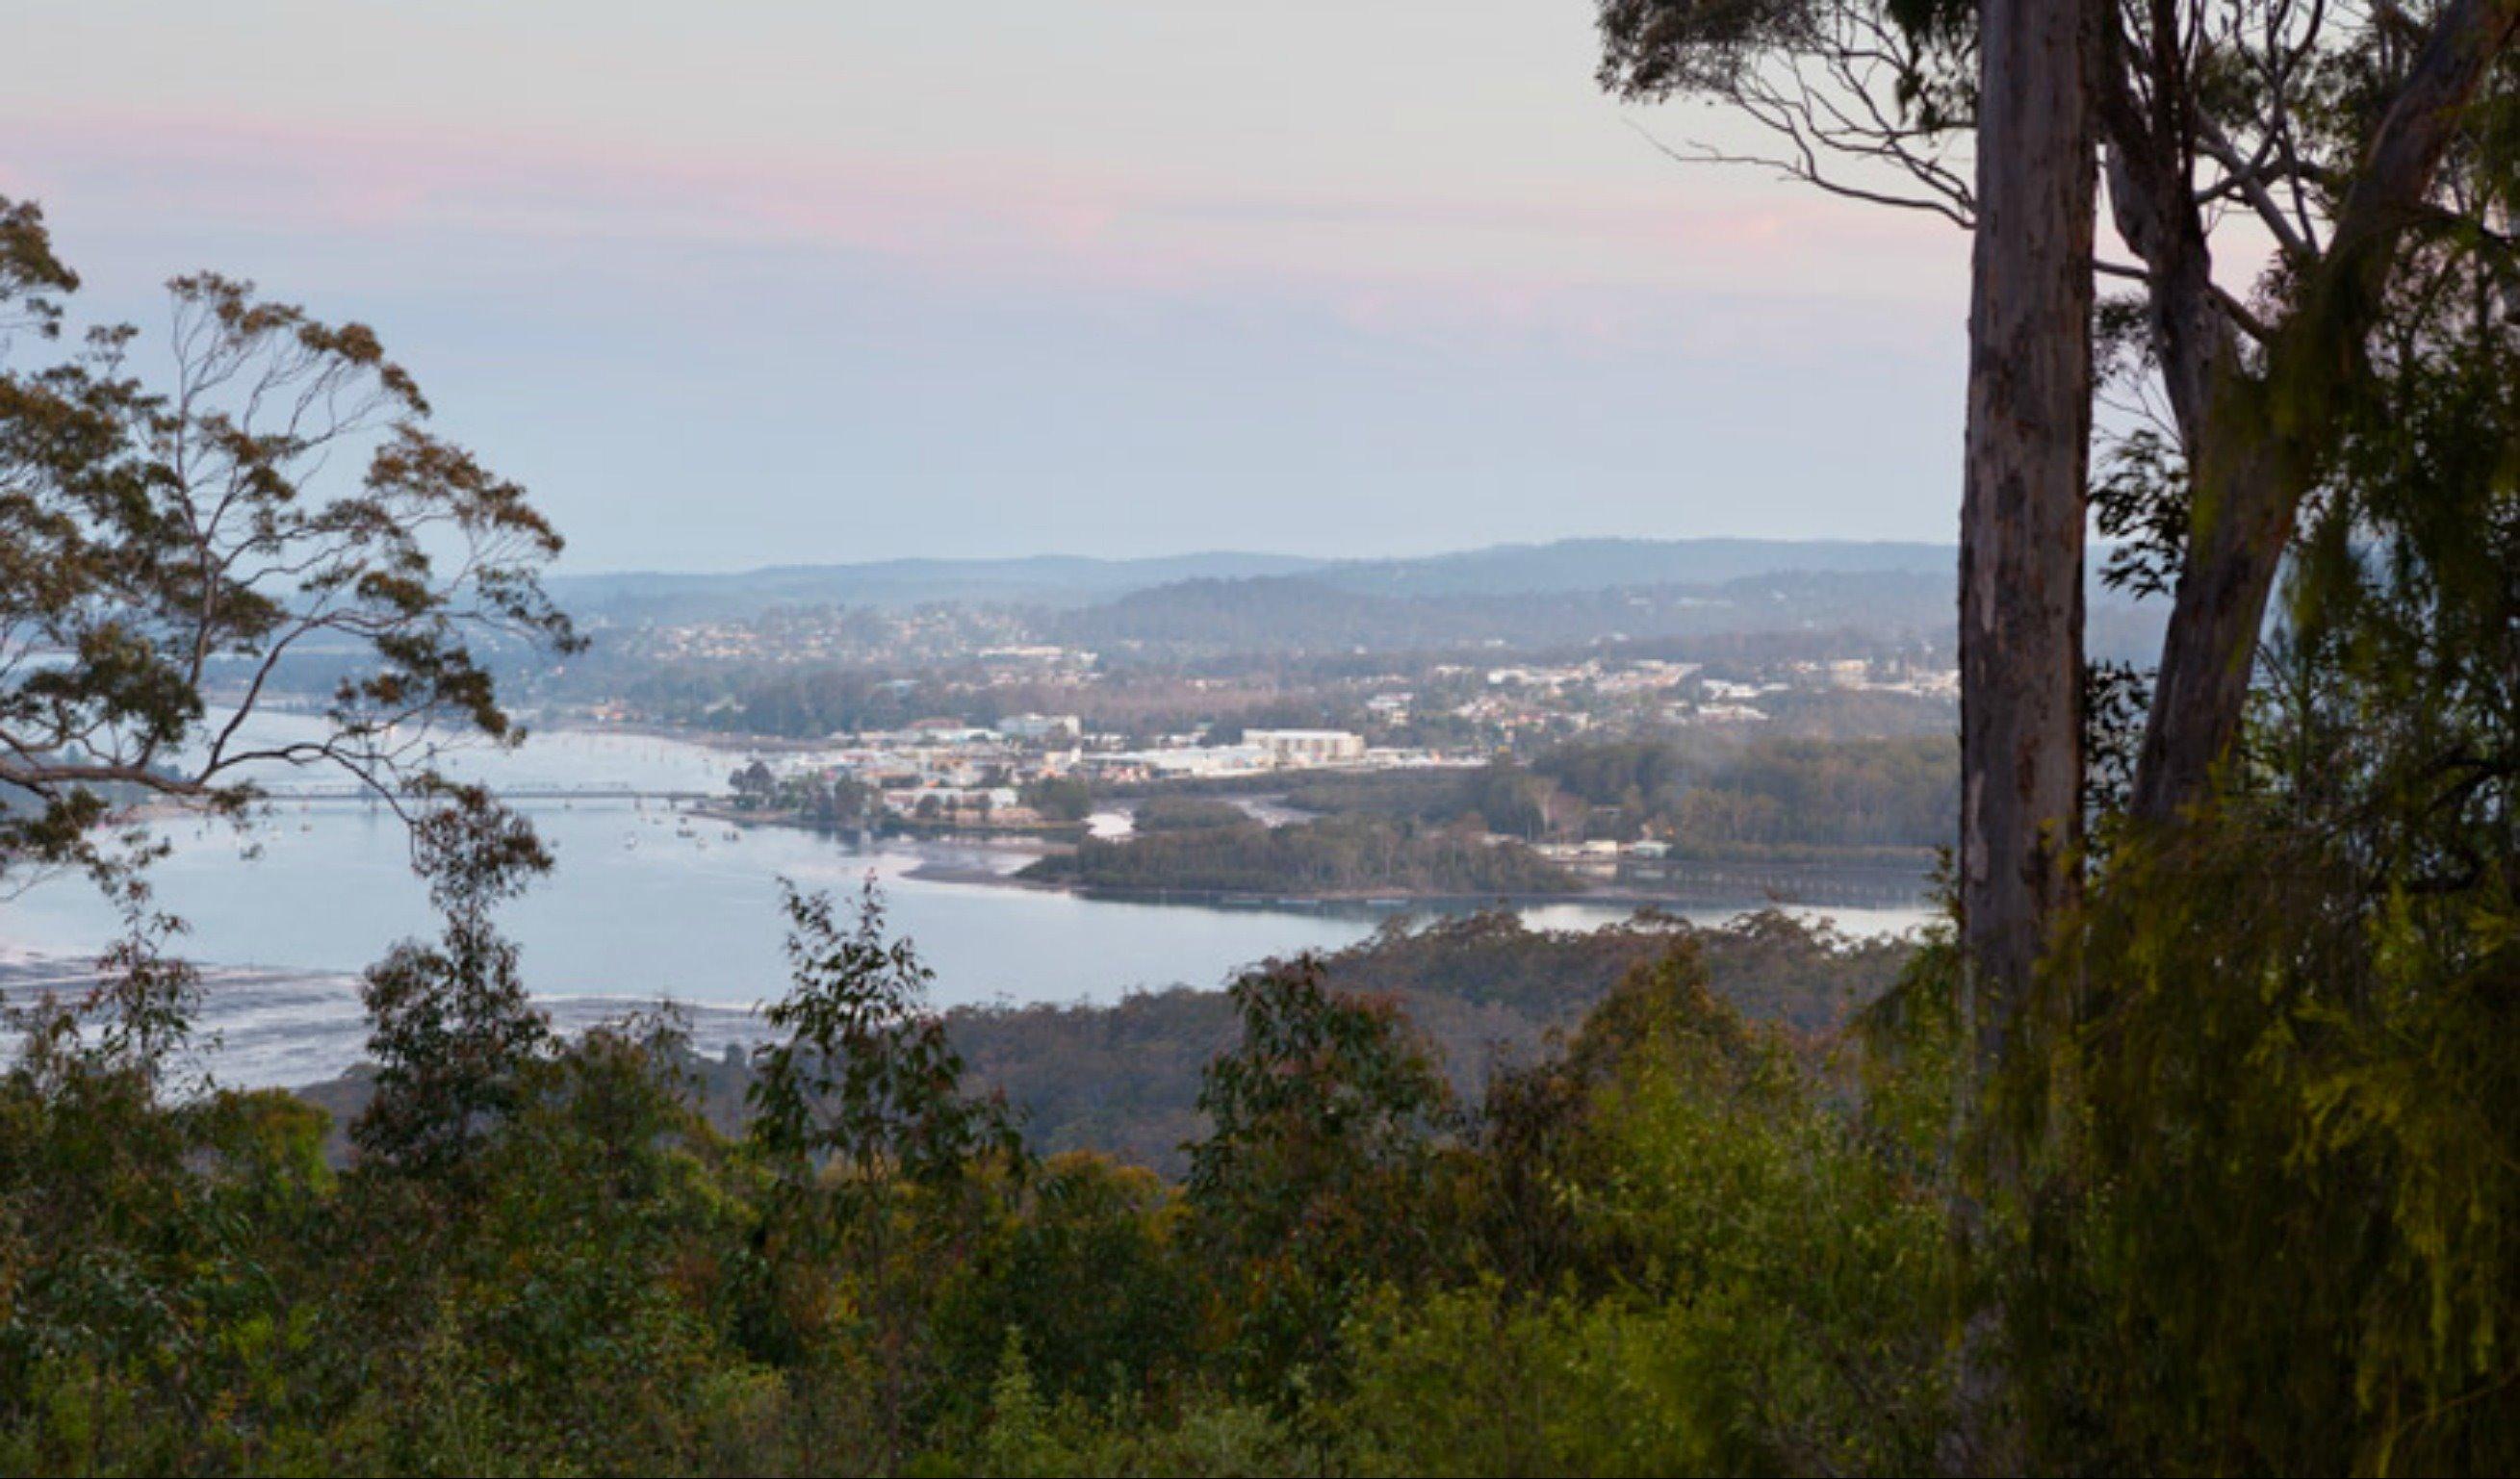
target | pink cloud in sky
[{"x": 1532, "y": 254}]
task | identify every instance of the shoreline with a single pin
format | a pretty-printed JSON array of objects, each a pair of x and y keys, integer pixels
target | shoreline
[
  {"x": 1745, "y": 884},
  {"x": 970, "y": 857},
  {"x": 1712, "y": 896}
]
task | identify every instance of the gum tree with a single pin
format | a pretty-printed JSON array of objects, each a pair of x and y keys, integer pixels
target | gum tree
[
  {"x": 1982, "y": 115},
  {"x": 2273, "y": 168},
  {"x": 194, "y": 521}
]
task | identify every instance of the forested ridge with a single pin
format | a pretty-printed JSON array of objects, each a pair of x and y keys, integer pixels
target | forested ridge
[
  {"x": 1343, "y": 855},
  {"x": 1703, "y": 798},
  {"x": 1461, "y": 832}
]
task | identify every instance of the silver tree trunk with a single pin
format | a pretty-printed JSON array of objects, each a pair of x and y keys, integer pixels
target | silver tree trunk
[{"x": 2022, "y": 507}]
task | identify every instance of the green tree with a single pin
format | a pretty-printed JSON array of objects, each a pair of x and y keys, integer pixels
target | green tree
[
  {"x": 876, "y": 1156},
  {"x": 276, "y": 514},
  {"x": 753, "y": 785},
  {"x": 2277, "y": 1227},
  {"x": 1060, "y": 798},
  {"x": 1086, "y": 1275},
  {"x": 2340, "y": 133},
  {"x": 1323, "y": 1127},
  {"x": 452, "y": 1029}
]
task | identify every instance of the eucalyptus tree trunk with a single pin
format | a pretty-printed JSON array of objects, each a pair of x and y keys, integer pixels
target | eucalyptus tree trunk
[
  {"x": 2022, "y": 584},
  {"x": 2245, "y": 496},
  {"x": 2258, "y": 443},
  {"x": 2022, "y": 507}
]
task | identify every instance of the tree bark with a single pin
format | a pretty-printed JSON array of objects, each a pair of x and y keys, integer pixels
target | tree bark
[
  {"x": 2022, "y": 506},
  {"x": 2257, "y": 444},
  {"x": 2150, "y": 168},
  {"x": 2021, "y": 588}
]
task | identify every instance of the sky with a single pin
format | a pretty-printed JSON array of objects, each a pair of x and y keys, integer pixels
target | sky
[{"x": 779, "y": 281}]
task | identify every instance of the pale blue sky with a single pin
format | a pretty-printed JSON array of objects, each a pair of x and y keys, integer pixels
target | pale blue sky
[{"x": 756, "y": 282}]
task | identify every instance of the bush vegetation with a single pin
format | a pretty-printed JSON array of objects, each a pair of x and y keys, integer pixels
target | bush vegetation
[{"x": 543, "y": 1259}]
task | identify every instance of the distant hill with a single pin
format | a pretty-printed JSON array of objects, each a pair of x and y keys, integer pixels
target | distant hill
[
  {"x": 1067, "y": 581},
  {"x": 1777, "y": 596},
  {"x": 1322, "y": 613},
  {"x": 1041, "y": 580},
  {"x": 1599, "y": 565}
]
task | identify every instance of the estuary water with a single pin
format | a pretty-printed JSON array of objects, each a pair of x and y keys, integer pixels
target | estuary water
[{"x": 645, "y": 902}]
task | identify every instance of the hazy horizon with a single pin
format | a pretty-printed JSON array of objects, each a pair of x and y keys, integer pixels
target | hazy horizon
[
  {"x": 1152, "y": 556},
  {"x": 772, "y": 282}
]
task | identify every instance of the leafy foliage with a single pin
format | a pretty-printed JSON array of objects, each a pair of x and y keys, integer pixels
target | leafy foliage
[
  {"x": 157, "y": 541},
  {"x": 872, "y": 1151},
  {"x": 2274, "y": 1227},
  {"x": 1323, "y": 1123},
  {"x": 862, "y": 1084},
  {"x": 453, "y": 1029}
]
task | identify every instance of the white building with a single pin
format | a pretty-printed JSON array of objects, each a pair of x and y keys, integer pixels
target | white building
[
  {"x": 1040, "y": 726},
  {"x": 1306, "y": 747}
]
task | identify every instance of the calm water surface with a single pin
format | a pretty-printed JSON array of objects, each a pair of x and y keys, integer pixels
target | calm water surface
[{"x": 644, "y": 903}]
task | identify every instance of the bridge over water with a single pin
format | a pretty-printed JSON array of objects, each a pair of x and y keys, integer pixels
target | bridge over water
[{"x": 503, "y": 793}]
